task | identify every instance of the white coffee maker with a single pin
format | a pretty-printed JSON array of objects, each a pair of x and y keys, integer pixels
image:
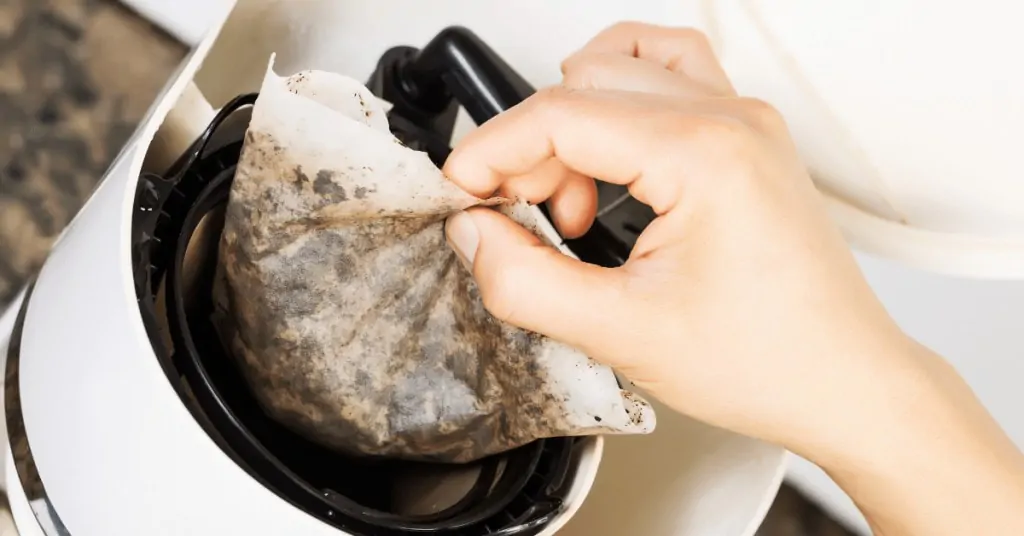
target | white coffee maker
[{"x": 122, "y": 418}]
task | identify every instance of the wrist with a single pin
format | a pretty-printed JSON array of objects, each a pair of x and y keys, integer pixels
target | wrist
[
  {"x": 871, "y": 394},
  {"x": 928, "y": 458}
]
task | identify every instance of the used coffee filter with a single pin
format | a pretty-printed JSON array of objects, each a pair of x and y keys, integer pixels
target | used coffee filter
[{"x": 354, "y": 323}]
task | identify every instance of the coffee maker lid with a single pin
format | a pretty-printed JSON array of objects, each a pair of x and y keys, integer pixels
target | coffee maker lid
[{"x": 906, "y": 113}]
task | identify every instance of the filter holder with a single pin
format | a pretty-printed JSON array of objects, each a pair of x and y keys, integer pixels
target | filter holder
[{"x": 528, "y": 493}]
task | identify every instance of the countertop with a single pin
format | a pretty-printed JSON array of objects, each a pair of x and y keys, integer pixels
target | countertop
[{"x": 75, "y": 78}]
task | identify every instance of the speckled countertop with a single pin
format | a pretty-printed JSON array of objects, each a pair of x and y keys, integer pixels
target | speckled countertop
[{"x": 75, "y": 78}]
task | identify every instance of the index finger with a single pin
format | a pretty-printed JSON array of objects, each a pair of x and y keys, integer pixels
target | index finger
[{"x": 616, "y": 137}]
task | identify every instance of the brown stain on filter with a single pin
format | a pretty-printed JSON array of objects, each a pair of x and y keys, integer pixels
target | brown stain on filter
[{"x": 364, "y": 332}]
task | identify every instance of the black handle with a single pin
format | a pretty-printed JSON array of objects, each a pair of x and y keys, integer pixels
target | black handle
[
  {"x": 457, "y": 63},
  {"x": 456, "y": 67}
]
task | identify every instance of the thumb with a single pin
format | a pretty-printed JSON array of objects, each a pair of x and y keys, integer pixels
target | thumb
[{"x": 531, "y": 285}]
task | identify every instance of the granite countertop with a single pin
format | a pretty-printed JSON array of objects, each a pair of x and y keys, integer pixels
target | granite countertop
[{"x": 75, "y": 78}]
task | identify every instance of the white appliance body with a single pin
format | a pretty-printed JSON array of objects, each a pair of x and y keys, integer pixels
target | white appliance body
[{"x": 101, "y": 444}]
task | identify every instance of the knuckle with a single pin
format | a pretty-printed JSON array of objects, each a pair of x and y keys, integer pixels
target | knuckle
[
  {"x": 730, "y": 136},
  {"x": 576, "y": 78},
  {"x": 689, "y": 43},
  {"x": 551, "y": 100},
  {"x": 712, "y": 129},
  {"x": 568, "y": 63},
  {"x": 763, "y": 116},
  {"x": 670, "y": 129},
  {"x": 584, "y": 70},
  {"x": 680, "y": 35},
  {"x": 571, "y": 62},
  {"x": 671, "y": 126},
  {"x": 549, "y": 95},
  {"x": 575, "y": 75},
  {"x": 629, "y": 27},
  {"x": 721, "y": 136},
  {"x": 691, "y": 37}
]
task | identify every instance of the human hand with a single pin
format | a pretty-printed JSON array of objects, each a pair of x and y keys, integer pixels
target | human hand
[
  {"x": 737, "y": 300},
  {"x": 741, "y": 304}
]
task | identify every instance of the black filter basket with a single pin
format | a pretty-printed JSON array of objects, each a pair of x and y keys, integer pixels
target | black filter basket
[{"x": 516, "y": 493}]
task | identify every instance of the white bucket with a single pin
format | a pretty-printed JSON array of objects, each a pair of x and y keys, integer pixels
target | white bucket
[{"x": 687, "y": 478}]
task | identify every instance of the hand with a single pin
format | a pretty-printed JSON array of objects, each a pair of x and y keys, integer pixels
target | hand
[
  {"x": 734, "y": 297},
  {"x": 740, "y": 304}
]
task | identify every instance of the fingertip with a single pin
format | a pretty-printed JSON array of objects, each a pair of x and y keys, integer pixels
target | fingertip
[
  {"x": 573, "y": 206},
  {"x": 505, "y": 264},
  {"x": 463, "y": 237},
  {"x": 469, "y": 174},
  {"x": 499, "y": 231},
  {"x": 539, "y": 184},
  {"x": 526, "y": 283}
]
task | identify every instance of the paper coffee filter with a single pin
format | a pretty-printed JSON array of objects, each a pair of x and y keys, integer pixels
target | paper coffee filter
[{"x": 354, "y": 323}]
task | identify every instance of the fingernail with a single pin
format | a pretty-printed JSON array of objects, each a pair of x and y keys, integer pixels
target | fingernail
[{"x": 463, "y": 237}]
